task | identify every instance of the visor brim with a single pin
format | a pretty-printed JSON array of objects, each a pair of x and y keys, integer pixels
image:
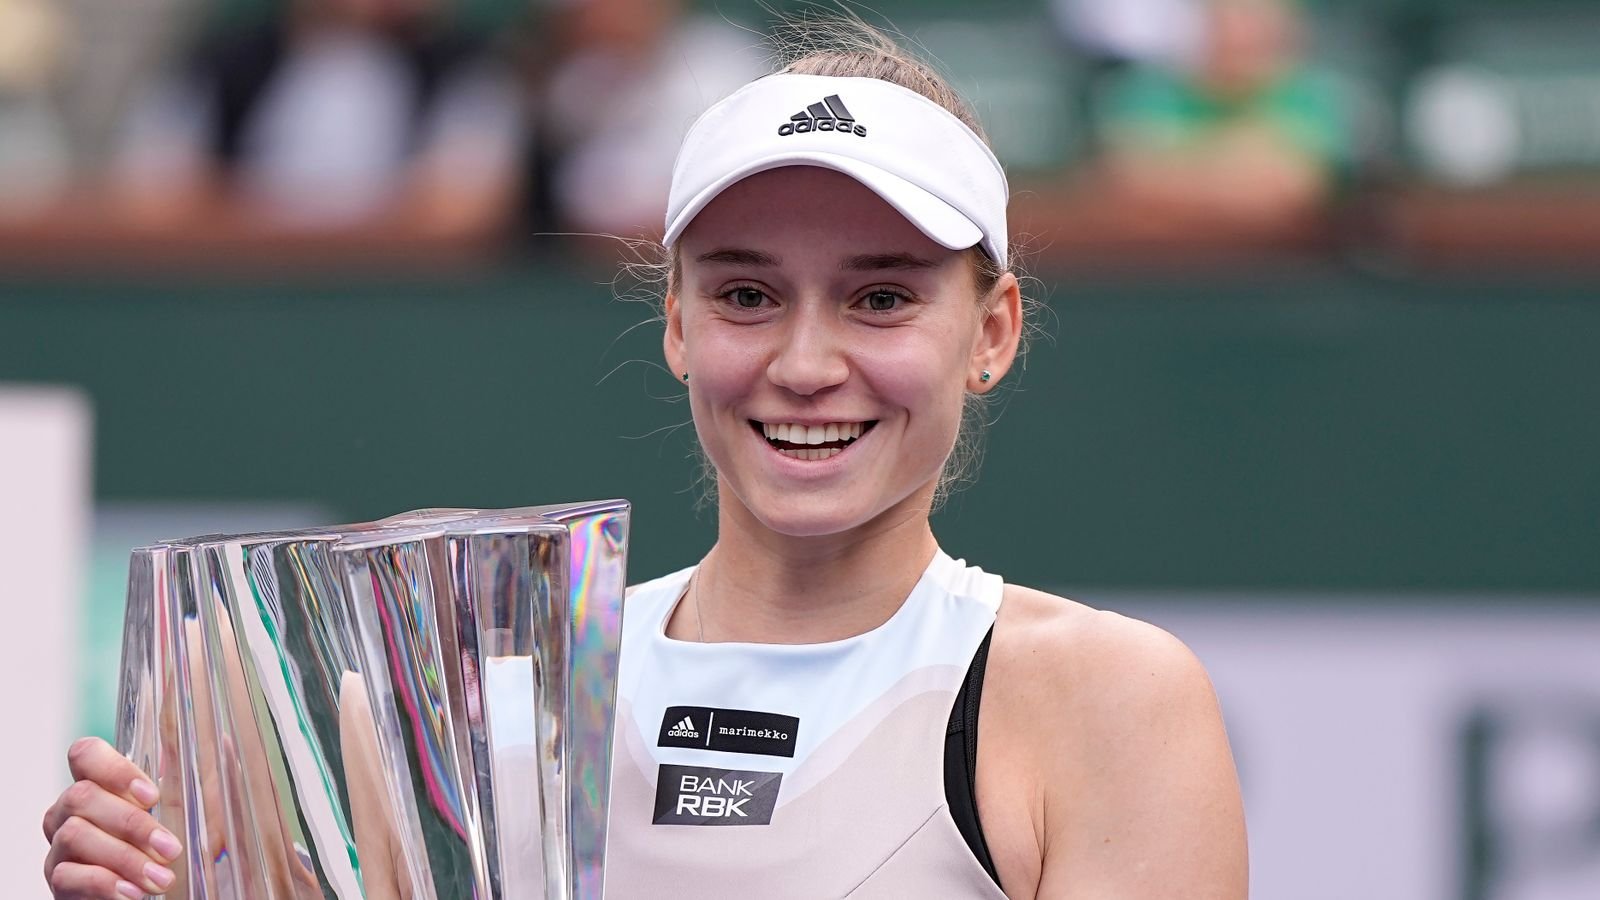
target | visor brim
[{"x": 942, "y": 223}]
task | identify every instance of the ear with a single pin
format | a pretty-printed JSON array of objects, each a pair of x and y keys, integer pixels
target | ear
[
  {"x": 998, "y": 337},
  {"x": 672, "y": 338}
]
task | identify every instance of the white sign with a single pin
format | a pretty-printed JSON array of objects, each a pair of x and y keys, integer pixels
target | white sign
[
  {"x": 1438, "y": 749},
  {"x": 45, "y": 466}
]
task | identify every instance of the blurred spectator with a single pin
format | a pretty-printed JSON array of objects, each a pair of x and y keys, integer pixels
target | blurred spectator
[
  {"x": 362, "y": 118},
  {"x": 622, "y": 81},
  {"x": 121, "y": 47},
  {"x": 1153, "y": 32},
  {"x": 34, "y": 166},
  {"x": 1248, "y": 139}
]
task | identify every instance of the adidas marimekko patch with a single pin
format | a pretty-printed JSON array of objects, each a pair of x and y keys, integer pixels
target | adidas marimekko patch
[
  {"x": 728, "y": 730},
  {"x": 828, "y": 114}
]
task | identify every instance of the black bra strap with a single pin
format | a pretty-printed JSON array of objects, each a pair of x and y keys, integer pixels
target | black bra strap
[{"x": 961, "y": 759}]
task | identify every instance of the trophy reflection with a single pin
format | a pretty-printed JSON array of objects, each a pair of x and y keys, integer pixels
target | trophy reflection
[{"x": 418, "y": 707}]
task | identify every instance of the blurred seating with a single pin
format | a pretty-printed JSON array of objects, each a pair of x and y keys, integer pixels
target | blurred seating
[
  {"x": 336, "y": 129},
  {"x": 1230, "y": 147},
  {"x": 615, "y": 85},
  {"x": 348, "y": 114},
  {"x": 1502, "y": 128},
  {"x": 34, "y": 153},
  {"x": 1146, "y": 32},
  {"x": 1137, "y": 133},
  {"x": 121, "y": 47}
]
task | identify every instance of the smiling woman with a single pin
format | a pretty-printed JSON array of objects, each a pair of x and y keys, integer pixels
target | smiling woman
[
  {"x": 840, "y": 292},
  {"x": 828, "y": 704}
]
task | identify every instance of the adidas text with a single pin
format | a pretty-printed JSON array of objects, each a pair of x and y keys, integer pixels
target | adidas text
[
  {"x": 789, "y": 128},
  {"x": 830, "y": 114}
]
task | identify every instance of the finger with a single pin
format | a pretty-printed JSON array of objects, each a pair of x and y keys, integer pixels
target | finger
[
  {"x": 77, "y": 881},
  {"x": 79, "y": 841},
  {"x": 211, "y": 802},
  {"x": 118, "y": 818},
  {"x": 92, "y": 759}
]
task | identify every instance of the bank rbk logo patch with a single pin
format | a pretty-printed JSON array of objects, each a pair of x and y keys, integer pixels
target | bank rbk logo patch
[
  {"x": 697, "y": 795},
  {"x": 728, "y": 730}
]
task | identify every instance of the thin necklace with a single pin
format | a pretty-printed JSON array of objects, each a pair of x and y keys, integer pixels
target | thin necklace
[{"x": 694, "y": 592}]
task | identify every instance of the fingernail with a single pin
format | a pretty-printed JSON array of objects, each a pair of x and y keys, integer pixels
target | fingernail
[
  {"x": 130, "y": 890},
  {"x": 144, "y": 792},
  {"x": 160, "y": 876},
  {"x": 165, "y": 844}
]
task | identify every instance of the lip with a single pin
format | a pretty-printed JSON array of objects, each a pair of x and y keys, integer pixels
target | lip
[{"x": 805, "y": 420}]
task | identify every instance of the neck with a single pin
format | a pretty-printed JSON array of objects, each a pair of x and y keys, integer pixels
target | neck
[{"x": 759, "y": 586}]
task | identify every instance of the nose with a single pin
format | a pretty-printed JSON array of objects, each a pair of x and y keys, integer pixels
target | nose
[{"x": 810, "y": 357}]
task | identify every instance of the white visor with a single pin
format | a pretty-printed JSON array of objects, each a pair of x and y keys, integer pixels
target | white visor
[{"x": 910, "y": 151}]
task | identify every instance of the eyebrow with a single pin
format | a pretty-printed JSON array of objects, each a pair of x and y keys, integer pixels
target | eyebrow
[
  {"x": 866, "y": 262},
  {"x": 736, "y": 256},
  {"x": 872, "y": 262}
]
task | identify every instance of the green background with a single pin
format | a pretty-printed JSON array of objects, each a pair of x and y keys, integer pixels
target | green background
[{"x": 1308, "y": 428}]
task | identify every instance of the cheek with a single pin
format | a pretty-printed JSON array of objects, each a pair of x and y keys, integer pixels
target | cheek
[
  {"x": 724, "y": 370},
  {"x": 925, "y": 378},
  {"x": 722, "y": 360}
]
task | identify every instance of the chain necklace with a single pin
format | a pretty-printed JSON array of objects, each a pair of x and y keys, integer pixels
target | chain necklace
[{"x": 694, "y": 593}]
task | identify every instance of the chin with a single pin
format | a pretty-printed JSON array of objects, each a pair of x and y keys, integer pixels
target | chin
[
  {"x": 814, "y": 514},
  {"x": 805, "y": 517}
]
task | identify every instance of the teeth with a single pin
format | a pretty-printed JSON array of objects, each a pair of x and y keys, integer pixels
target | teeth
[{"x": 813, "y": 435}]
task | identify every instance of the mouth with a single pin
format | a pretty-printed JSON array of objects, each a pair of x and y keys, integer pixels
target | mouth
[{"x": 811, "y": 442}]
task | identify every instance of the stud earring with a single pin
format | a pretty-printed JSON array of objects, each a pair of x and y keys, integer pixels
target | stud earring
[
  {"x": 983, "y": 377},
  {"x": 686, "y": 376}
]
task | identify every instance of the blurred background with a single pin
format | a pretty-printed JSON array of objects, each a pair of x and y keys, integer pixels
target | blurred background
[{"x": 1319, "y": 391}]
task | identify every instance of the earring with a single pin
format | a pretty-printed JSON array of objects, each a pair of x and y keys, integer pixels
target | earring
[
  {"x": 686, "y": 376},
  {"x": 983, "y": 377}
]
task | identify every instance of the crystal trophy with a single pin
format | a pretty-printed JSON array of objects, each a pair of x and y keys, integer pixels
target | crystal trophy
[{"x": 417, "y": 708}]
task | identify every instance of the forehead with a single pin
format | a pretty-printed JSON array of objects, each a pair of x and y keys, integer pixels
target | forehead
[{"x": 806, "y": 208}]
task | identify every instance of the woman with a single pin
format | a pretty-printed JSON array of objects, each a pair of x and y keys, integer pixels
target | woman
[{"x": 839, "y": 293}]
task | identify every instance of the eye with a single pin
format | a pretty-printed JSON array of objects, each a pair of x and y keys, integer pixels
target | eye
[
  {"x": 882, "y": 300},
  {"x": 746, "y": 297}
]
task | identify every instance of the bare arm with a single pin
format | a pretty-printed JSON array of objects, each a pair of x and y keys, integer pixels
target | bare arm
[
  {"x": 1104, "y": 771},
  {"x": 1146, "y": 801}
]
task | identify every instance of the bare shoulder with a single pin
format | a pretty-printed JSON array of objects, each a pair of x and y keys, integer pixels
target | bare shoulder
[
  {"x": 1090, "y": 658},
  {"x": 1092, "y": 684},
  {"x": 1113, "y": 725}
]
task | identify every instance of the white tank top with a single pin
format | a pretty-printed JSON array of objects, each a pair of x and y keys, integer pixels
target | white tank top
[{"x": 795, "y": 770}]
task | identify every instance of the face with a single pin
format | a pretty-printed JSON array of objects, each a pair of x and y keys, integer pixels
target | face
[
  {"x": 1250, "y": 43},
  {"x": 830, "y": 347}
]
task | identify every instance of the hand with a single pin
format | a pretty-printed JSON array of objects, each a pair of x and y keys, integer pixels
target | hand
[{"x": 104, "y": 845}]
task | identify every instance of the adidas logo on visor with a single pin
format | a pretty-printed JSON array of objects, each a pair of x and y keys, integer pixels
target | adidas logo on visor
[{"x": 829, "y": 114}]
